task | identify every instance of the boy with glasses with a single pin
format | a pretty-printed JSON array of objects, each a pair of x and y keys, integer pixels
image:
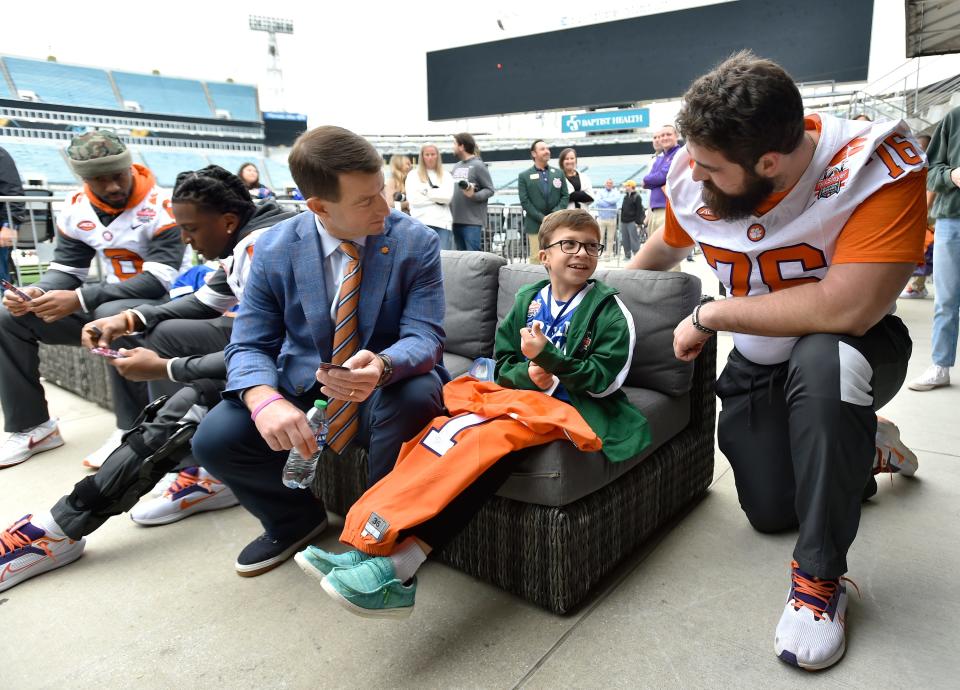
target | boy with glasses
[{"x": 562, "y": 355}]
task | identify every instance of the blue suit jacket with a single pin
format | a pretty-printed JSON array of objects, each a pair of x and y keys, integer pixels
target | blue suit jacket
[{"x": 283, "y": 329}]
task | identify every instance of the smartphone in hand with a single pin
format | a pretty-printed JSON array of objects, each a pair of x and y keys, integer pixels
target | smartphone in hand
[
  {"x": 326, "y": 366},
  {"x": 106, "y": 352},
  {"x": 7, "y": 285}
]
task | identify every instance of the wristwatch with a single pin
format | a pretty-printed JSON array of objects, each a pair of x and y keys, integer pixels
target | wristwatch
[{"x": 387, "y": 371}]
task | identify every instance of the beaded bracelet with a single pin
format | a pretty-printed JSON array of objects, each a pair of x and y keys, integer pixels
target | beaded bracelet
[{"x": 696, "y": 322}]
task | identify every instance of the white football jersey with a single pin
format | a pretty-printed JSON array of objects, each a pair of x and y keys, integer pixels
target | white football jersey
[
  {"x": 794, "y": 242},
  {"x": 122, "y": 245}
]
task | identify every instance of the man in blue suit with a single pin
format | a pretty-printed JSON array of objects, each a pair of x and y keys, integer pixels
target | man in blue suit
[{"x": 293, "y": 312}]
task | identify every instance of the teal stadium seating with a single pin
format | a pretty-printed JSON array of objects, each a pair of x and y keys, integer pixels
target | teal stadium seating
[
  {"x": 166, "y": 165},
  {"x": 166, "y": 95},
  {"x": 239, "y": 99},
  {"x": 63, "y": 84},
  {"x": 40, "y": 159}
]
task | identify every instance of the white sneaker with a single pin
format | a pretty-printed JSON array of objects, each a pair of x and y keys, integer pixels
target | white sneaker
[
  {"x": 164, "y": 483},
  {"x": 20, "y": 446},
  {"x": 27, "y": 550},
  {"x": 195, "y": 490},
  {"x": 95, "y": 459},
  {"x": 811, "y": 633},
  {"x": 892, "y": 454},
  {"x": 910, "y": 293},
  {"x": 933, "y": 377}
]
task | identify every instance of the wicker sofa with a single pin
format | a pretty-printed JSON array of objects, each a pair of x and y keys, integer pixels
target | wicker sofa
[{"x": 564, "y": 519}]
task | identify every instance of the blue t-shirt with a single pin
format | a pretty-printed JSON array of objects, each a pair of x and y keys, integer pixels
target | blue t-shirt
[{"x": 555, "y": 318}]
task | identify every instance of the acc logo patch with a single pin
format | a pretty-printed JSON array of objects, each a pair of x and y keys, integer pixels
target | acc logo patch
[
  {"x": 756, "y": 232},
  {"x": 832, "y": 181},
  {"x": 705, "y": 213},
  {"x": 87, "y": 225},
  {"x": 145, "y": 215},
  {"x": 107, "y": 236}
]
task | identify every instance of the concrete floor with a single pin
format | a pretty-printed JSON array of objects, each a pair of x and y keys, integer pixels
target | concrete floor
[{"x": 162, "y": 607}]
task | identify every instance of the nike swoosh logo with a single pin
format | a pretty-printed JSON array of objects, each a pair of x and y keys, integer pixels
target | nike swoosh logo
[
  {"x": 10, "y": 570},
  {"x": 34, "y": 443},
  {"x": 186, "y": 503}
]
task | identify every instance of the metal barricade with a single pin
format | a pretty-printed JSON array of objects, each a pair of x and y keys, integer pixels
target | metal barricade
[{"x": 33, "y": 245}]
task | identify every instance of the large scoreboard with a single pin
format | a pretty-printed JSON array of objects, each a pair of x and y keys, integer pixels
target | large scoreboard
[{"x": 647, "y": 58}]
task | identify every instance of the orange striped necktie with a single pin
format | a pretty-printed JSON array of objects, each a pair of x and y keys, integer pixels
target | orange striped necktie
[{"x": 343, "y": 415}]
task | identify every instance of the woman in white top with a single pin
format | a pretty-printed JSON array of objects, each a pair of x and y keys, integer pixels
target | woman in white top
[
  {"x": 578, "y": 184},
  {"x": 429, "y": 191}
]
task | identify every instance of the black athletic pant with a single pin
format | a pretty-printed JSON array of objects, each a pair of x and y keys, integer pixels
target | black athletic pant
[
  {"x": 21, "y": 394},
  {"x": 185, "y": 338},
  {"x": 131, "y": 471},
  {"x": 800, "y": 436}
]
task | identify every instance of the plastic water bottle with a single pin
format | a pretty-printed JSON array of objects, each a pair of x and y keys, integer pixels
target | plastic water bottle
[{"x": 298, "y": 472}]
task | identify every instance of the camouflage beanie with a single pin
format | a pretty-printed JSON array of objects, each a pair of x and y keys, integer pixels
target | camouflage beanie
[{"x": 96, "y": 153}]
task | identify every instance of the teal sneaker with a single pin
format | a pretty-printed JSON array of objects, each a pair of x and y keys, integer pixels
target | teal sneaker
[
  {"x": 318, "y": 563},
  {"x": 371, "y": 589}
]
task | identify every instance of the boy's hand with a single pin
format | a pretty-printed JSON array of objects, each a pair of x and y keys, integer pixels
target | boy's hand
[
  {"x": 532, "y": 341},
  {"x": 541, "y": 378}
]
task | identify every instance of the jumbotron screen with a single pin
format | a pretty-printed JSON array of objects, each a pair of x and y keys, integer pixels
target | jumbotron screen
[{"x": 647, "y": 58}]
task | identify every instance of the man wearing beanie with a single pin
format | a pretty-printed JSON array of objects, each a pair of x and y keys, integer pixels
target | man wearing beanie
[{"x": 121, "y": 216}]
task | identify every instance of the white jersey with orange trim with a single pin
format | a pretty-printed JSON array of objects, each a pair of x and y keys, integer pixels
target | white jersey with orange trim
[
  {"x": 122, "y": 245},
  {"x": 794, "y": 242},
  {"x": 236, "y": 268}
]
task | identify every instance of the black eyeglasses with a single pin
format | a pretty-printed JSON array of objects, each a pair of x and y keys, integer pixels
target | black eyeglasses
[{"x": 573, "y": 247}]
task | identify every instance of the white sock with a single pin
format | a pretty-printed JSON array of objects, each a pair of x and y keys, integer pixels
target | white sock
[
  {"x": 46, "y": 522},
  {"x": 407, "y": 559}
]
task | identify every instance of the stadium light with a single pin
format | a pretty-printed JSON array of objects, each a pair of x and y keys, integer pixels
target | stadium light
[
  {"x": 272, "y": 25},
  {"x": 273, "y": 91}
]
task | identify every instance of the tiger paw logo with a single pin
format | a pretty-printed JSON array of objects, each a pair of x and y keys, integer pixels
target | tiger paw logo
[
  {"x": 705, "y": 213},
  {"x": 831, "y": 181},
  {"x": 756, "y": 232}
]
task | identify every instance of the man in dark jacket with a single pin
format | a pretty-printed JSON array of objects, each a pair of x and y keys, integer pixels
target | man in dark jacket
[
  {"x": 542, "y": 191},
  {"x": 11, "y": 214},
  {"x": 631, "y": 216}
]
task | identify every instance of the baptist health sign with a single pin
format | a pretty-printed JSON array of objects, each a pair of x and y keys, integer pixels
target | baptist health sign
[{"x": 604, "y": 121}]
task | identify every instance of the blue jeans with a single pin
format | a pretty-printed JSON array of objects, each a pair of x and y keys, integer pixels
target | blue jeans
[
  {"x": 445, "y": 236},
  {"x": 467, "y": 237},
  {"x": 946, "y": 283},
  {"x": 4, "y": 263}
]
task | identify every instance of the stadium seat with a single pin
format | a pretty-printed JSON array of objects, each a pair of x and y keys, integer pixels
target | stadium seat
[
  {"x": 239, "y": 100},
  {"x": 40, "y": 159},
  {"x": 166, "y": 165},
  {"x": 233, "y": 161},
  {"x": 65, "y": 84},
  {"x": 279, "y": 175},
  {"x": 167, "y": 95}
]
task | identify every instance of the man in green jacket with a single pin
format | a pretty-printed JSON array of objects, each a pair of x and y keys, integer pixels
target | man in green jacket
[
  {"x": 943, "y": 156},
  {"x": 542, "y": 191}
]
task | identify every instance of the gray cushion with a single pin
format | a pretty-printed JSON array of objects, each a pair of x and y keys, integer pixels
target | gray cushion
[
  {"x": 658, "y": 302},
  {"x": 558, "y": 474},
  {"x": 470, "y": 291},
  {"x": 456, "y": 364}
]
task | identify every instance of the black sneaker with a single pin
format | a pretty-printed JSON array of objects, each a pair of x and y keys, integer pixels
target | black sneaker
[{"x": 266, "y": 553}]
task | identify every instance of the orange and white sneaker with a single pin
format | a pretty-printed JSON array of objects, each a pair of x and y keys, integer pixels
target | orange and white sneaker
[
  {"x": 22, "y": 445},
  {"x": 195, "y": 490},
  {"x": 811, "y": 631},
  {"x": 27, "y": 550},
  {"x": 892, "y": 455}
]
